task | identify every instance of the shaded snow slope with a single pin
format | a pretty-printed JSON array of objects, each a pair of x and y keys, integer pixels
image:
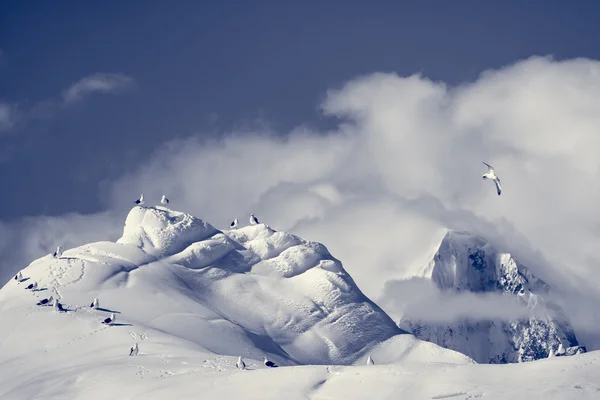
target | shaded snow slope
[
  {"x": 251, "y": 291},
  {"x": 468, "y": 263}
]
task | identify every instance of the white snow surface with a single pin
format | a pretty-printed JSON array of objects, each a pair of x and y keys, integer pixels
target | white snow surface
[{"x": 196, "y": 298}]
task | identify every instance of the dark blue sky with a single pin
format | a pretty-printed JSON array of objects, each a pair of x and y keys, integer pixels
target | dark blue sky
[{"x": 203, "y": 69}]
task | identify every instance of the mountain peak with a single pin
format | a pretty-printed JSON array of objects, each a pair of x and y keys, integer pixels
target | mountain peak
[
  {"x": 274, "y": 292},
  {"x": 469, "y": 263}
]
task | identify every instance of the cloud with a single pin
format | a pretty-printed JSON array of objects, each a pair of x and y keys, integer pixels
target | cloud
[
  {"x": 7, "y": 117},
  {"x": 405, "y": 164},
  {"x": 419, "y": 299},
  {"x": 100, "y": 82}
]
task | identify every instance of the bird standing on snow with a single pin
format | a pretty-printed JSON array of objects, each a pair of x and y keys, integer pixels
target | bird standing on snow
[
  {"x": 58, "y": 306},
  {"x": 109, "y": 320},
  {"x": 491, "y": 175},
  {"x": 95, "y": 304},
  {"x": 164, "y": 201},
  {"x": 19, "y": 277},
  {"x": 140, "y": 201},
  {"x": 240, "y": 364},
  {"x": 268, "y": 363},
  {"x": 58, "y": 252},
  {"x": 32, "y": 286},
  {"x": 44, "y": 301},
  {"x": 370, "y": 361},
  {"x": 134, "y": 350},
  {"x": 253, "y": 220},
  {"x": 234, "y": 224}
]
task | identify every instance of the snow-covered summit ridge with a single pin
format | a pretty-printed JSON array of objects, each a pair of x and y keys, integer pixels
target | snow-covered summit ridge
[
  {"x": 465, "y": 262},
  {"x": 250, "y": 291}
]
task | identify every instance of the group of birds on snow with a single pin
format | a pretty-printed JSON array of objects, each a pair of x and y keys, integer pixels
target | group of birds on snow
[
  {"x": 234, "y": 224},
  {"x": 164, "y": 201}
]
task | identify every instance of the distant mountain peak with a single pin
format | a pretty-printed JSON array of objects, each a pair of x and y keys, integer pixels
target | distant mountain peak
[{"x": 466, "y": 262}]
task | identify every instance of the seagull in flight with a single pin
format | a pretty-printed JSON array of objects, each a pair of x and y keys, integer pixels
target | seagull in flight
[{"x": 491, "y": 175}]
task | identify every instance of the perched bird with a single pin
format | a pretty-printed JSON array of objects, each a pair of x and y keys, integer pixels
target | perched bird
[
  {"x": 32, "y": 286},
  {"x": 140, "y": 201},
  {"x": 45, "y": 301},
  {"x": 58, "y": 252},
  {"x": 19, "y": 276},
  {"x": 109, "y": 320},
  {"x": 95, "y": 304},
  {"x": 134, "y": 350},
  {"x": 234, "y": 224},
  {"x": 253, "y": 220},
  {"x": 268, "y": 363},
  {"x": 240, "y": 364},
  {"x": 164, "y": 201},
  {"x": 370, "y": 361},
  {"x": 491, "y": 175},
  {"x": 58, "y": 306}
]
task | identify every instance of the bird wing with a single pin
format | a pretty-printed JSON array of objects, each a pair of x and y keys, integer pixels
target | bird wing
[
  {"x": 490, "y": 168},
  {"x": 498, "y": 187}
]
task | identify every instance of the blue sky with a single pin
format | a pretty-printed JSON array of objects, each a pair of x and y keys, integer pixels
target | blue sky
[{"x": 204, "y": 69}]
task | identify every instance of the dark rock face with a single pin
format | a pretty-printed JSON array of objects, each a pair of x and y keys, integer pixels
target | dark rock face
[{"x": 468, "y": 263}]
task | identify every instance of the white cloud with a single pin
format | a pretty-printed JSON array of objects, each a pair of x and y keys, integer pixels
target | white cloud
[
  {"x": 100, "y": 82},
  {"x": 7, "y": 117},
  {"x": 405, "y": 163}
]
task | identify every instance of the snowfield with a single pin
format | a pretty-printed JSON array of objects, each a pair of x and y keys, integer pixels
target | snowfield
[{"x": 195, "y": 298}]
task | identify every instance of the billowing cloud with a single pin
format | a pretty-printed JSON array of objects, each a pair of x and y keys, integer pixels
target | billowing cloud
[
  {"x": 419, "y": 299},
  {"x": 404, "y": 164},
  {"x": 97, "y": 83}
]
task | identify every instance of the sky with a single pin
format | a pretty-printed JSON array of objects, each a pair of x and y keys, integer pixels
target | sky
[{"x": 362, "y": 127}]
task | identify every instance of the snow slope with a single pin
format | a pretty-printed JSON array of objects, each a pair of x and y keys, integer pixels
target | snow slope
[
  {"x": 468, "y": 263},
  {"x": 194, "y": 298}
]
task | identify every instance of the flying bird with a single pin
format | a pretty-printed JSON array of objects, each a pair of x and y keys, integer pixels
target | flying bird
[
  {"x": 491, "y": 175},
  {"x": 253, "y": 220},
  {"x": 240, "y": 364},
  {"x": 234, "y": 224},
  {"x": 109, "y": 320},
  {"x": 164, "y": 201},
  {"x": 58, "y": 252},
  {"x": 268, "y": 363},
  {"x": 95, "y": 304},
  {"x": 140, "y": 201}
]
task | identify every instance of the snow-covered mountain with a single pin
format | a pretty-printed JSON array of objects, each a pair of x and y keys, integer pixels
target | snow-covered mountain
[
  {"x": 194, "y": 298},
  {"x": 465, "y": 262}
]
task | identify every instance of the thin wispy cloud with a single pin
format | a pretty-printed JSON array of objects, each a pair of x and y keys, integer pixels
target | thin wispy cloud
[
  {"x": 7, "y": 117},
  {"x": 97, "y": 83}
]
